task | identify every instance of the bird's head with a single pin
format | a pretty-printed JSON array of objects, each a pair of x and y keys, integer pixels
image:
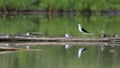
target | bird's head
[{"x": 102, "y": 32}]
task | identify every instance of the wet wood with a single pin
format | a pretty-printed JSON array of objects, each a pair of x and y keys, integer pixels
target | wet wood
[
  {"x": 9, "y": 49},
  {"x": 24, "y": 38},
  {"x": 4, "y": 49}
]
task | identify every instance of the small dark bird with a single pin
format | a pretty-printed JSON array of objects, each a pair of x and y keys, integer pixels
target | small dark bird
[
  {"x": 103, "y": 35},
  {"x": 114, "y": 35},
  {"x": 80, "y": 51}
]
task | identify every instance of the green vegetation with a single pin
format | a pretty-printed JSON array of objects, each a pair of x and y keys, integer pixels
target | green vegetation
[
  {"x": 56, "y": 26},
  {"x": 94, "y": 5}
]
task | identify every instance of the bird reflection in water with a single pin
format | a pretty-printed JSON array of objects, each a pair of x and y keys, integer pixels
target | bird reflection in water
[
  {"x": 67, "y": 46},
  {"x": 80, "y": 51},
  {"x": 102, "y": 47},
  {"x": 27, "y": 47}
]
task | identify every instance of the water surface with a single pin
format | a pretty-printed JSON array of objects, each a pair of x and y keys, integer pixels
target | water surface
[{"x": 57, "y": 56}]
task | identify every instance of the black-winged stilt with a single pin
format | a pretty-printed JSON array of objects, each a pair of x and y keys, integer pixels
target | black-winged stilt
[{"x": 82, "y": 30}]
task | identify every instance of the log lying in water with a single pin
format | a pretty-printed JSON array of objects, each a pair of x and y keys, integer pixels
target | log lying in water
[
  {"x": 4, "y": 50},
  {"x": 24, "y": 38},
  {"x": 9, "y": 49},
  {"x": 17, "y": 44}
]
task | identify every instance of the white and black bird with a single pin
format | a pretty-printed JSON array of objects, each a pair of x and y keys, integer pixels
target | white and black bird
[
  {"x": 68, "y": 35},
  {"x": 27, "y": 34},
  {"x": 82, "y": 30}
]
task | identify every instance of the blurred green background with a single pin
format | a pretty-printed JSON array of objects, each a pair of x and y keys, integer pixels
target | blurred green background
[
  {"x": 94, "y": 5},
  {"x": 57, "y": 26}
]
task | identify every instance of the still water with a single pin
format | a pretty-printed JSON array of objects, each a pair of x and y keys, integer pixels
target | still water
[{"x": 59, "y": 56}]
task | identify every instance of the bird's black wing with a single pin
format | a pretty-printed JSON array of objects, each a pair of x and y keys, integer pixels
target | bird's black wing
[{"x": 85, "y": 30}]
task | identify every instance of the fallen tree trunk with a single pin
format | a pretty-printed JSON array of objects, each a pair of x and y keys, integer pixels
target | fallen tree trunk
[
  {"x": 24, "y": 38},
  {"x": 9, "y": 49}
]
